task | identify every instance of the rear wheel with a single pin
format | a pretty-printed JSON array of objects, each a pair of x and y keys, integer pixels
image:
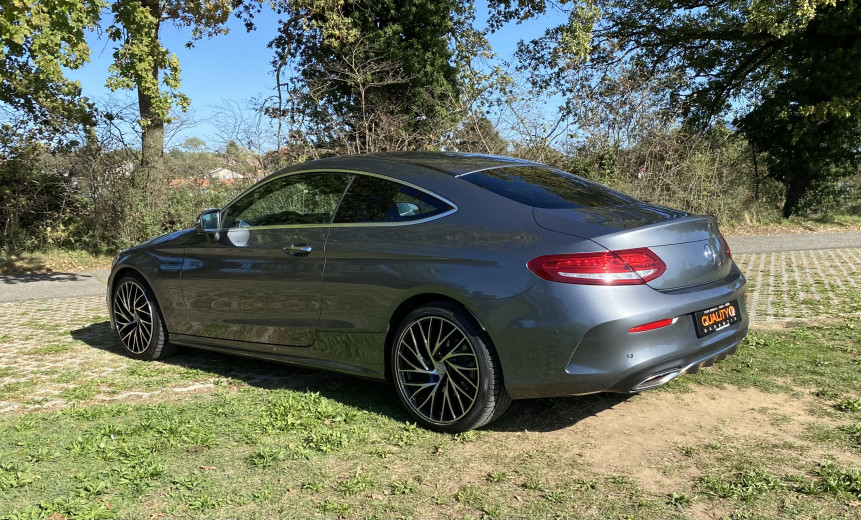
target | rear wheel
[
  {"x": 446, "y": 371},
  {"x": 138, "y": 320}
]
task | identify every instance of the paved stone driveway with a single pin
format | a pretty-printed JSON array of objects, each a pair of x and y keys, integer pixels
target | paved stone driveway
[
  {"x": 807, "y": 285},
  {"x": 57, "y": 352}
]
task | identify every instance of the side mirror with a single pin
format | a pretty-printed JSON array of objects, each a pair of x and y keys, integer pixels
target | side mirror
[{"x": 209, "y": 222}]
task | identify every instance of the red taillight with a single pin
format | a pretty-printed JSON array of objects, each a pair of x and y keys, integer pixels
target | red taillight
[
  {"x": 626, "y": 267},
  {"x": 726, "y": 245},
  {"x": 654, "y": 325}
]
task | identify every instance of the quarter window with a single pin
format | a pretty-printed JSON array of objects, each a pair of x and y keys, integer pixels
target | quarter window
[
  {"x": 372, "y": 199},
  {"x": 544, "y": 187},
  {"x": 308, "y": 198}
]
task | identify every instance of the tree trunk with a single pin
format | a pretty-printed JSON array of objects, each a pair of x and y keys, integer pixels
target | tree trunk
[
  {"x": 796, "y": 189},
  {"x": 152, "y": 138},
  {"x": 757, "y": 182},
  {"x": 152, "y": 125}
]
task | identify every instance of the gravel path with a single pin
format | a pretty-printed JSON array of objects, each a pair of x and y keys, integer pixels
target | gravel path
[
  {"x": 807, "y": 285},
  {"x": 44, "y": 286}
]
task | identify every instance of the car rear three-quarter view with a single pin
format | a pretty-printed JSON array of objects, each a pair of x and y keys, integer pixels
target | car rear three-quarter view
[{"x": 465, "y": 280}]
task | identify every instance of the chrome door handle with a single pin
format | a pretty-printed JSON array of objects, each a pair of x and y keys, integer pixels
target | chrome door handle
[{"x": 298, "y": 249}]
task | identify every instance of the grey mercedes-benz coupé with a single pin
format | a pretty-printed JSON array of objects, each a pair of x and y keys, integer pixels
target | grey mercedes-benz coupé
[{"x": 465, "y": 280}]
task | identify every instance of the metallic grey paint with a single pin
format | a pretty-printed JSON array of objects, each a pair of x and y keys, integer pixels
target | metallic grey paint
[{"x": 335, "y": 307}]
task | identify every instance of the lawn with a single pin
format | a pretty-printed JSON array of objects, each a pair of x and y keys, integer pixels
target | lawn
[{"x": 86, "y": 432}]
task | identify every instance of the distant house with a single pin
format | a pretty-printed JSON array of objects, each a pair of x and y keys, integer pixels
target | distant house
[
  {"x": 224, "y": 174},
  {"x": 220, "y": 174}
]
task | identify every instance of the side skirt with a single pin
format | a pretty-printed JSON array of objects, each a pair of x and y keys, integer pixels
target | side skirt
[{"x": 360, "y": 354}]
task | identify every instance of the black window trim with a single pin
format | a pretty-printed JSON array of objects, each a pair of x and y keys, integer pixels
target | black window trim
[{"x": 354, "y": 173}]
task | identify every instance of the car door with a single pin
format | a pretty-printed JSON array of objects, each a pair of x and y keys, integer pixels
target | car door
[
  {"x": 259, "y": 280},
  {"x": 378, "y": 248}
]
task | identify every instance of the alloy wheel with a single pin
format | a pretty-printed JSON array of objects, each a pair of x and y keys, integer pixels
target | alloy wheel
[
  {"x": 437, "y": 370},
  {"x": 133, "y": 313}
]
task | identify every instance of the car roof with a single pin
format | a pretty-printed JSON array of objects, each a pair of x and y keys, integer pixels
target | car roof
[{"x": 451, "y": 163}]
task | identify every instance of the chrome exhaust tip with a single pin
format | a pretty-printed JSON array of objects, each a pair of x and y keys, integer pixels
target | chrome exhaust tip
[
  {"x": 665, "y": 376},
  {"x": 657, "y": 380}
]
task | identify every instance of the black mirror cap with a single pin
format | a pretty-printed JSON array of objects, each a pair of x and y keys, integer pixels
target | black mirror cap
[{"x": 209, "y": 221}]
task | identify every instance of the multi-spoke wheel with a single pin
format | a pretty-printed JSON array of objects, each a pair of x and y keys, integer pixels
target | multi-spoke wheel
[
  {"x": 446, "y": 371},
  {"x": 138, "y": 319}
]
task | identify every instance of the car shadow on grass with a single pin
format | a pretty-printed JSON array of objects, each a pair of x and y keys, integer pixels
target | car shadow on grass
[
  {"x": 371, "y": 395},
  {"x": 538, "y": 415}
]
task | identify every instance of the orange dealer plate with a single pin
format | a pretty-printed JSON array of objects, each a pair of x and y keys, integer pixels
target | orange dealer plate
[{"x": 717, "y": 318}]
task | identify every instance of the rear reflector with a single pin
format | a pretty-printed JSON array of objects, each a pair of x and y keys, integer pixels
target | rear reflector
[
  {"x": 726, "y": 245},
  {"x": 654, "y": 325},
  {"x": 625, "y": 267}
]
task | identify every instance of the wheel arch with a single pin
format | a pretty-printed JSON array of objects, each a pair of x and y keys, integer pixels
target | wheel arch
[{"x": 409, "y": 305}]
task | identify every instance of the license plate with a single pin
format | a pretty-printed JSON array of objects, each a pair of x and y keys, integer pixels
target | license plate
[{"x": 717, "y": 318}]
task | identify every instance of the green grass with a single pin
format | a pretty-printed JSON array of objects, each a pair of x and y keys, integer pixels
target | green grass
[
  {"x": 262, "y": 453},
  {"x": 336, "y": 447},
  {"x": 55, "y": 348},
  {"x": 344, "y": 449},
  {"x": 825, "y": 357}
]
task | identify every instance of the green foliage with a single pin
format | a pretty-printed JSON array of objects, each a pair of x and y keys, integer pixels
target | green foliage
[
  {"x": 848, "y": 404},
  {"x": 478, "y": 135},
  {"x": 788, "y": 72},
  {"x": 679, "y": 500},
  {"x": 267, "y": 457},
  {"x": 354, "y": 484},
  {"x": 370, "y": 77},
  {"x": 833, "y": 479},
  {"x": 746, "y": 485},
  {"x": 40, "y": 206},
  {"x": 142, "y": 63},
  {"x": 38, "y": 38},
  {"x": 92, "y": 199},
  {"x": 809, "y": 122}
]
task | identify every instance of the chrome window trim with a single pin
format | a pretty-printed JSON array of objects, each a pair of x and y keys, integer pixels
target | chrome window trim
[
  {"x": 453, "y": 209},
  {"x": 499, "y": 167}
]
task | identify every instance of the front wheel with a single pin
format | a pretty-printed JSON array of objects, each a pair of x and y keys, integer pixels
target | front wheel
[
  {"x": 138, "y": 319},
  {"x": 446, "y": 371}
]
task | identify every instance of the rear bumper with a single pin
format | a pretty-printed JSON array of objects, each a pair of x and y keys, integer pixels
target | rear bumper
[
  {"x": 655, "y": 376},
  {"x": 563, "y": 339}
]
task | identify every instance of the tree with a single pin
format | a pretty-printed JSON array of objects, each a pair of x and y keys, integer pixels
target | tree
[
  {"x": 478, "y": 135},
  {"x": 810, "y": 121},
  {"x": 40, "y": 37},
  {"x": 358, "y": 61},
  {"x": 193, "y": 145},
  {"x": 736, "y": 57},
  {"x": 143, "y": 64}
]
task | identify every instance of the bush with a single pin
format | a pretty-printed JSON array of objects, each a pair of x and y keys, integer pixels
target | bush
[{"x": 40, "y": 204}]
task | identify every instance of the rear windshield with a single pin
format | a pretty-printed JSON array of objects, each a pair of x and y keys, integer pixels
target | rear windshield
[{"x": 544, "y": 187}]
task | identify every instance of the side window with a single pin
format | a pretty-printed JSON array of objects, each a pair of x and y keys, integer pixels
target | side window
[
  {"x": 372, "y": 199},
  {"x": 305, "y": 198}
]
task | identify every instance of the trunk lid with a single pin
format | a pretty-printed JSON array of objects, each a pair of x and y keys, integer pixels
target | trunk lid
[{"x": 690, "y": 245}]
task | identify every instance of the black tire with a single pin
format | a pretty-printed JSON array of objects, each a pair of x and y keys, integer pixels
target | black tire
[
  {"x": 446, "y": 371},
  {"x": 138, "y": 320}
]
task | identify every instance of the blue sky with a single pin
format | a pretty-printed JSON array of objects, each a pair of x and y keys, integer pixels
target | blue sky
[{"x": 235, "y": 67}]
